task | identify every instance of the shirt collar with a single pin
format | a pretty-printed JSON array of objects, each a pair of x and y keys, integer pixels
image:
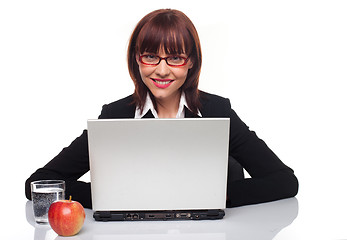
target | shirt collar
[{"x": 148, "y": 106}]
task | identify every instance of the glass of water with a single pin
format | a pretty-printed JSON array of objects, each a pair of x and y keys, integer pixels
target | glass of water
[{"x": 43, "y": 194}]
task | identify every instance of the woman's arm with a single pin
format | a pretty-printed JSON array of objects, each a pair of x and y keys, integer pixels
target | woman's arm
[
  {"x": 69, "y": 165},
  {"x": 73, "y": 161},
  {"x": 271, "y": 178}
]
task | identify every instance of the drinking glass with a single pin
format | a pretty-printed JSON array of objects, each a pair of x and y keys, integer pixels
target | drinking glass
[{"x": 43, "y": 194}]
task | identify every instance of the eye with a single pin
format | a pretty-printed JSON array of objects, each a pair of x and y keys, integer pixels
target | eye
[
  {"x": 149, "y": 58},
  {"x": 176, "y": 60}
]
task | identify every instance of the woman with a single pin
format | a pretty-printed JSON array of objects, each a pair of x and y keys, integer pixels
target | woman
[{"x": 164, "y": 60}]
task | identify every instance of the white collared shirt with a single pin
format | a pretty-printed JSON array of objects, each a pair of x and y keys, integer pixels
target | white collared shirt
[{"x": 149, "y": 106}]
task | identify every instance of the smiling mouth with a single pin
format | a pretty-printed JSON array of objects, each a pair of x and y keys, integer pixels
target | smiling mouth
[{"x": 162, "y": 83}]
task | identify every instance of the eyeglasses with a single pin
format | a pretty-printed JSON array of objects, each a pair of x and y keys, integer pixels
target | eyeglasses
[{"x": 153, "y": 60}]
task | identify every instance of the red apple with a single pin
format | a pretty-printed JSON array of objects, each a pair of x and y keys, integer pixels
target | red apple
[{"x": 66, "y": 217}]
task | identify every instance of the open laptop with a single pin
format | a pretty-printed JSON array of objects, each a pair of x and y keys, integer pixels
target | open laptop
[{"x": 158, "y": 169}]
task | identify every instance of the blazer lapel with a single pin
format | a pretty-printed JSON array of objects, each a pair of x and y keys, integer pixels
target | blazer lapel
[
  {"x": 189, "y": 114},
  {"x": 148, "y": 114}
]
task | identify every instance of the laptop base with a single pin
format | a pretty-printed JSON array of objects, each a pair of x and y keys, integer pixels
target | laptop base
[{"x": 158, "y": 215}]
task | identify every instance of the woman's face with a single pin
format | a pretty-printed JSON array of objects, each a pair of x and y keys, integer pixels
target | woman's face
[{"x": 162, "y": 80}]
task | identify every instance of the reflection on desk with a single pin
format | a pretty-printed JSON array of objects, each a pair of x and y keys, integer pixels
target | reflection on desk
[{"x": 261, "y": 221}]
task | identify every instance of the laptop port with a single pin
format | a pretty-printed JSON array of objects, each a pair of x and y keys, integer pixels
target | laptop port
[
  {"x": 132, "y": 216},
  {"x": 183, "y": 215}
]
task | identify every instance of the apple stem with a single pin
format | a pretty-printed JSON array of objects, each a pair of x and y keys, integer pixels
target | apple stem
[{"x": 70, "y": 198}]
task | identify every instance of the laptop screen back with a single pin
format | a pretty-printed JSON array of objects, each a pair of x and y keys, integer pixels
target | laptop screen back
[{"x": 158, "y": 164}]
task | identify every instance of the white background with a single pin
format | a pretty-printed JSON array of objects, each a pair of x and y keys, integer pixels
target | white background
[{"x": 282, "y": 64}]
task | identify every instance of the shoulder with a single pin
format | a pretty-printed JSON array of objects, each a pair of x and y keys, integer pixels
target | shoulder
[
  {"x": 122, "y": 108},
  {"x": 213, "y": 105},
  {"x": 205, "y": 96},
  {"x": 126, "y": 101}
]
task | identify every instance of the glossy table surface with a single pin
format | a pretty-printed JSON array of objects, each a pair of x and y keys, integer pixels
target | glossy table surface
[
  {"x": 298, "y": 218},
  {"x": 262, "y": 221}
]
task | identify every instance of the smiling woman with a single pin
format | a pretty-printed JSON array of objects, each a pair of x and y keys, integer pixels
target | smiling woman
[
  {"x": 166, "y": 33},
  {"x": 164, "y": 62},
  {"x": 164, "y": 81}
]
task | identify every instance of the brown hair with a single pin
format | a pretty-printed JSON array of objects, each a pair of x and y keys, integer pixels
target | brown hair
[{"x": 173, "y": 31}]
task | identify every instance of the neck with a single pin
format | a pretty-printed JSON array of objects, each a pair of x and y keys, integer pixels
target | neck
[{"x": 167, "y": 108}]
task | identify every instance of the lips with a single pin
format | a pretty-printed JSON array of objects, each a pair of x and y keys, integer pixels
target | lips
[{"x": 162, "y": 83}]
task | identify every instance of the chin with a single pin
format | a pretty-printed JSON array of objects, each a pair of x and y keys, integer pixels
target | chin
[{"x": 160, "y": 96}]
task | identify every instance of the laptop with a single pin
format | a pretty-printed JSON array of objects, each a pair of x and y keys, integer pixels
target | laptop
[{"x": 158, "y": 169}]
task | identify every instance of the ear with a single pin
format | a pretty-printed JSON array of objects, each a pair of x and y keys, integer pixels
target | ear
[
  {"x": 137, "y": 56},
  {"x": 190, "y": 64}
]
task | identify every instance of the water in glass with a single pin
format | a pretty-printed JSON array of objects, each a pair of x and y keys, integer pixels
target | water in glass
[{"x": 42, "y": 199}]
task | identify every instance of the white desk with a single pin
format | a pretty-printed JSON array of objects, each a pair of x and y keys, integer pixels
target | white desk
[{"x": 260, "y": 222}]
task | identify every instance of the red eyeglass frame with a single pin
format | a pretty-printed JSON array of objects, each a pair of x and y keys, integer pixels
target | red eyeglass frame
[{"x": 161, "y": 58}]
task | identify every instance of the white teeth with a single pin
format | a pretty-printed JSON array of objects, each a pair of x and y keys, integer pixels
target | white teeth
[{"x": 161, "y": 82}]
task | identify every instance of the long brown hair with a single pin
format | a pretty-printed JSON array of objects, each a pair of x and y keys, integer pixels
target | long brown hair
[{"x": 173, "y": 31}]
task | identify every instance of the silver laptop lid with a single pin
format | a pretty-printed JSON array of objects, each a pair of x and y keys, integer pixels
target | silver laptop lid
[{"x": 158, "y": 164}]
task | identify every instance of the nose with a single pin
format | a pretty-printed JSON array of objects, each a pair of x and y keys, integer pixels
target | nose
[{"x": 162, "y": 69}]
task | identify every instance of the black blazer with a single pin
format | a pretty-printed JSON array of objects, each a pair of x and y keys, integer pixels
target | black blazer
[{"x": 271, "y": 178}]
